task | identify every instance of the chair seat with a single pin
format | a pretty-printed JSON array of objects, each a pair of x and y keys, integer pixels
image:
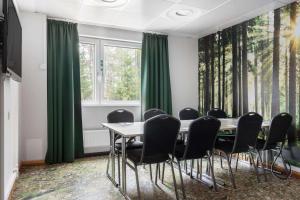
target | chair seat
[
  {"x": 227, "y": 146},
  {"x": 135, "y": 156},
  {"x": 260, "y": 143},
  {"x": 179, "y": 152},
  {"x": 130, "y": 145},
  {"x": 225, "y": 137}
]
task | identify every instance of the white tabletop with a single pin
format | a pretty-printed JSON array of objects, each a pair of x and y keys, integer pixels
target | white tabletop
[{"x": 137, "y": 128}]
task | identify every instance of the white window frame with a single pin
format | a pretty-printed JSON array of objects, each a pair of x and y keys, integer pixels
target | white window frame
[
  {"x": 99, "y": 74},
  {"x": 96, "y": 72}
]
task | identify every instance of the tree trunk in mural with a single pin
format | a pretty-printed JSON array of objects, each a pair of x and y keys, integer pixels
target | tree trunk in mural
[
  {"x": 224, "y": 38},
  {"x": 240, "y": 102},
  {"x": 212, "y": 69},
  {"x": 234, "y": 72},
  {"x": 292, "y": 71},
  {"x": 244, "y": 67},
  {"x": 275, "y": 75},
  {"x": 262, "y": 79},
  {"x": 219, "y": 69},
  {"x": 286, "y": 86},
  {"x": 207, "y": 70},
  {"x": 255, "y": 80}
]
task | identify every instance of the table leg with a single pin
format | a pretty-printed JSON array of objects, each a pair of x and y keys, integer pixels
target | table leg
[
  {"x": 113, "y": 156},
  {"x": 111, "y": 175},
  {"x": 124, "y": 166}
]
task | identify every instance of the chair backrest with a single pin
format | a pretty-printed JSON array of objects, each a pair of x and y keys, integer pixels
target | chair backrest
[
  {"x": 188, "y": 113},
  {"x": 201, "y": 137},
  {"x": 248, "y": 128},
  {"x": 120, "y": 115},
  {"x": 160, "y": 135},
  {"x": 217, "y": 113},
  {"x": 152, "y": 113},
  {"x": 279, "y": 127}
]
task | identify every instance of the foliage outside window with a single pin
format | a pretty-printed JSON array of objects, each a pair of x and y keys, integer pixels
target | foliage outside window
[{"x": 122, "y": 78}]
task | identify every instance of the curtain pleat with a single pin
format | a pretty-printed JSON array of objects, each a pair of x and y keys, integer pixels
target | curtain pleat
[
  {"x": 65, "y": 138},
  {"x": 156, "y": 88}
]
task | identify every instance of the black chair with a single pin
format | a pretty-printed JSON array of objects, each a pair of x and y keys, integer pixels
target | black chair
[
  {"x": 248, "y": 128},
  {"x": 160, "y": 134},
  {"x": 147, "y": 115},
  {"x": 200, "y": 143},
  {"x": 119, "y": 116},
  {"x": 275, "y": 140},
  {"x": 217, "y": 113},
  {"x": 188, "y": 114},
  {"x": 152, "y": 113},
  {"x": 224, "y": 135}
]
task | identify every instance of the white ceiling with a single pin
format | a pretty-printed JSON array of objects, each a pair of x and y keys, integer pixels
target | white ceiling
[{"x": 156, "y": 15}]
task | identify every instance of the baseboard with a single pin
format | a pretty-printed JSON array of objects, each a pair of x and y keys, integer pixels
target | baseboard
[{"x": 32, "y": 163}]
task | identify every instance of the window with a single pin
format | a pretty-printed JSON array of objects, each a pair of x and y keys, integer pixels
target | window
[
  {"x": 87, "y": 72},
  {"x": 110, "y": 72}
]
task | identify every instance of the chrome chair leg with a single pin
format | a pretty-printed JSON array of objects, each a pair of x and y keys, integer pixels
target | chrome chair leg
[
  {"x": 192, "y": 166},
  {"x": 137, "y": 181},
  {"x": 174, "y": 179},
  {"x": 221, "y": 160},
  {"x": 181, "y": 180},
  {"x": 119, "y": 170},
  {"x": 108, "y": 161},
  {"x": 198, "y": 169},
  {"x": 159, "y": 171},
  {"x": 230, "y": 171},
  {"x": 212, "y": 171},
  {"x": 262, "y": 164},
  {"x": 156, "y": 173},
  {"x": 255, "y": 167},
  {"x": 237, "y": 161},
  {"x": 163, "y": 173},
  {"x": 150, "y": 172}
]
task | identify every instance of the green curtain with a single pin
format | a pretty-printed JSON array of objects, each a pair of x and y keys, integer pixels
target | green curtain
[
  {"x": 156, "y": 88},
  {"x": 65, "y": 138}
]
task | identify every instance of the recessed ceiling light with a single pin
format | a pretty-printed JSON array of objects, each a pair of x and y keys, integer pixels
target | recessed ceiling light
[
  {"x": 184, "y": 12},
  {"x": 109, "y": 1},
  {"x": 106, "y": 3}
]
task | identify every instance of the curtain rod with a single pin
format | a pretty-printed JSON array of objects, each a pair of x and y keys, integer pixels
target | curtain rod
[
  {"x": 63, "y": 19},
  {"x": 154, "y": 32}
]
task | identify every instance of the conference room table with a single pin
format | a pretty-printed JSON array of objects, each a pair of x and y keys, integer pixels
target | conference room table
[{"x": 129, "y": 130}]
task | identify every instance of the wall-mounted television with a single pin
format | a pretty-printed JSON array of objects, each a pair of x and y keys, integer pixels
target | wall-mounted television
[{"x": 12, "y": 41}]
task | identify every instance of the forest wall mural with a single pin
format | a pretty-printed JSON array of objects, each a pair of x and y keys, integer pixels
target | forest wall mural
[{"x": 254, "y": 66}]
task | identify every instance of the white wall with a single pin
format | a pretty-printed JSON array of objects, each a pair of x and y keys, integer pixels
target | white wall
[
  {"x": 183, "y": 60},
  {"x": 34, "y": 87}
]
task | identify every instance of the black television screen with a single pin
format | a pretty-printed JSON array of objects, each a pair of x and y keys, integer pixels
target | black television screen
[{"x": 12, "y": 58}]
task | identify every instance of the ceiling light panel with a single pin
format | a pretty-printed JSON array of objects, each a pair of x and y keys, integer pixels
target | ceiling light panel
[{"x": 105, "y": 3}]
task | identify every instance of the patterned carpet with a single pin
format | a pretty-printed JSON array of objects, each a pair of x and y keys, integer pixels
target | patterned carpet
[{"x": 86, "y": 179}]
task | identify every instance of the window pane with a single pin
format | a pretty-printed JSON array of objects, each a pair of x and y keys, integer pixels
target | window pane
[
  {"x": 87, "y": 72},
  {"x": 122, "y": 75}
]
